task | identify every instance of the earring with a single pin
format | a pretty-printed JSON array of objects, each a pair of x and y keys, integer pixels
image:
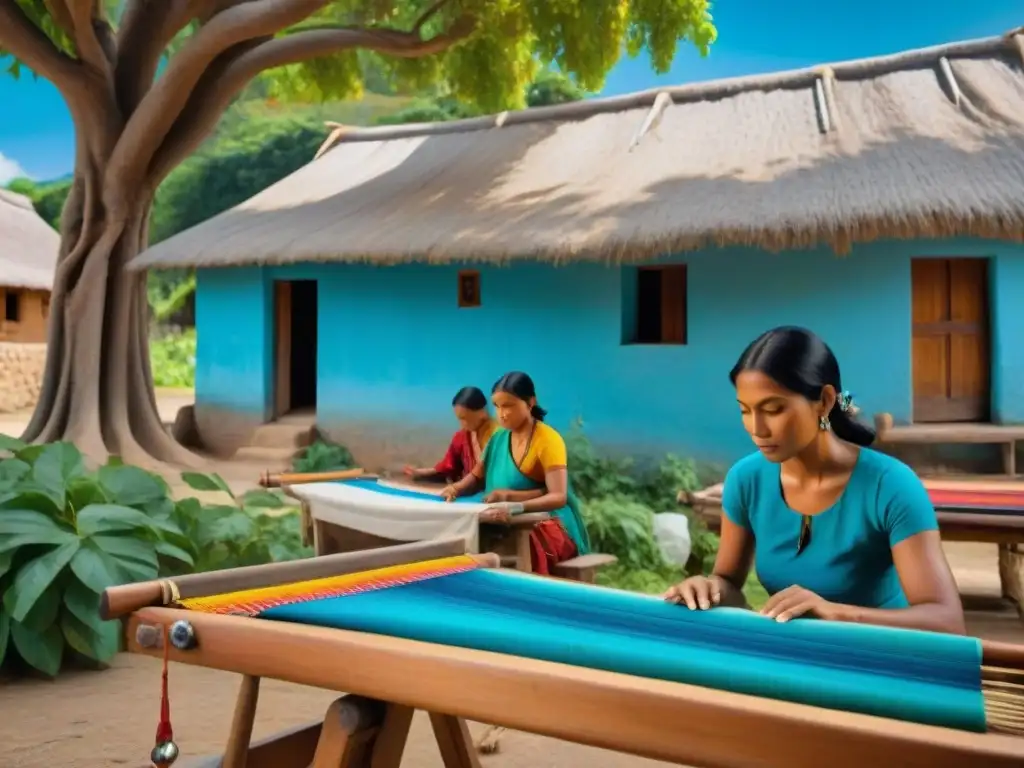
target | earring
[{"x": 823, "y": 424}]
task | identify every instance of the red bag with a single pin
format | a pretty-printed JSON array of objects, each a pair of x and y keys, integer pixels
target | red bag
[{"x": 550, "y": 545}]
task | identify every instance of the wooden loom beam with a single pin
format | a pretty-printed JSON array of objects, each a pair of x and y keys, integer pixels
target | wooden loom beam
[
  {"x": 120, "y": 601},
  {"x": 678, "y": 723}
]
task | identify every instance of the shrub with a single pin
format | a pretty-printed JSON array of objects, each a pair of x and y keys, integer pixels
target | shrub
[
  {"x": 620, "y": 501},
  {"x": 67, "y": 533},
  {"x": 172, "y": 356},
  {"x": 323, "y": 456}
]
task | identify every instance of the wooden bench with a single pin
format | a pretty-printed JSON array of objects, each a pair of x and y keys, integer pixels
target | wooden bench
[
  {"x": 1005, "y": 435},
  {"x": 583, "y": 568}
]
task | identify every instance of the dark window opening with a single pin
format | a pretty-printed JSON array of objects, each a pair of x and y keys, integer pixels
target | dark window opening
[
  {"x": 303, "y": 344},
  {"x": 660, "y": 305},
  {"x": 12, "y": 307},
  {"x": 469, "y": 289}
]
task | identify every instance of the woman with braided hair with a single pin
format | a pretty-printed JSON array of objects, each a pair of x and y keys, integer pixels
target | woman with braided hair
[{"x": 836, "y": 530}]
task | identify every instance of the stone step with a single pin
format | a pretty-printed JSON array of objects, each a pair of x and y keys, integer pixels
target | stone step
[
  {"x": 293, "y": 434},
  {"x": 273, "y": 458}
]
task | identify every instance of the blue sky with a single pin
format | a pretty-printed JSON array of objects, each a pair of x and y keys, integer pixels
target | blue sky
[{"x": 36, "y": 135}]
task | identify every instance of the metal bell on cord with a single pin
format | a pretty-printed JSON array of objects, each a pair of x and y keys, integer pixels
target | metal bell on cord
[{"x": 164, "y": 755}]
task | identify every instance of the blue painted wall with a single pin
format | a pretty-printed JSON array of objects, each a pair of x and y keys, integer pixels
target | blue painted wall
[{"x": 394, "y": 346}]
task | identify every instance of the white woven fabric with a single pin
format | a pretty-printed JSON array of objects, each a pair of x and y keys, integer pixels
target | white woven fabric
[{"x": 399, "y": 518}]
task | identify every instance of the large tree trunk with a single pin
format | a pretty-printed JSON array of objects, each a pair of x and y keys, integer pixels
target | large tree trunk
[
  {"x": 98, "y": 387},
  {"x": 132, "y": 128}
]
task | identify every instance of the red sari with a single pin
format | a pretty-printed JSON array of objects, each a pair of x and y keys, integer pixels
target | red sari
[{"x": 462, "y": 455}]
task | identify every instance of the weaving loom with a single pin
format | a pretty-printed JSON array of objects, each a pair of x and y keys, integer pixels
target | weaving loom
[{"x": 428, "y": 626}]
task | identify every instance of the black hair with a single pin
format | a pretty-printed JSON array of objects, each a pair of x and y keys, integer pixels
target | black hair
[
  {"x": 801, "y": 362},
  {"x": 519, "y": 384},
  {"x": 472, "y": 398}
]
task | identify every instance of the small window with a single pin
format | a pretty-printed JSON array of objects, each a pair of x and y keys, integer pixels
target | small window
[
  {"x": 12, "y": 306},
  {"x": 469, "y": 288},
  {"x": 659, "y": 304}
]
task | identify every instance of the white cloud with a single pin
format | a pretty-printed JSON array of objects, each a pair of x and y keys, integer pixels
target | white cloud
[{"x": 10, "y": 169}]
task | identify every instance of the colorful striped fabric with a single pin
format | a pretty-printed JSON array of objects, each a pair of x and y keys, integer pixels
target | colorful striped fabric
[
  {"x": 916, "y": 676},
  {"x": 980, "y": 500}
]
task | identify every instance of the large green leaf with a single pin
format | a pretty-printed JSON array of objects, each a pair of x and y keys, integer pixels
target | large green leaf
[
  {"x": 11, "y": 471},
  {"x": 44, "y": 612},
  {"x": 99, "y": 643},
  {"x": 201, "y": 481},
  {"x": 11, "y": 444},
  {"x": 131, "y": 486},
  {"x": 34, "y": 577},
  {"x": 5, "y": 633},
  {"x": 262, "y": 499},
  {"x": 42, "y": 650},
  {"x": 19, "y": 527},
  {"x": 83, "y": 603},
  {"x": 85, "y": 490},
  {"x": 167, "y": 549},
  {"x": 57, "y": 465},
  {"x": 30, "y": 453},
  {"x": 95, "y": 569},
  {"x": 27, "y": 495},
  {"x": 6, "y": 560},
  {"x": 111, "y": 518},
  {"x": 136, "y": 558}
]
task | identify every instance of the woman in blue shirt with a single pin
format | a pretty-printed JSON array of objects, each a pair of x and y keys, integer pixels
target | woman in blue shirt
[{"x": 835, "y": 530}]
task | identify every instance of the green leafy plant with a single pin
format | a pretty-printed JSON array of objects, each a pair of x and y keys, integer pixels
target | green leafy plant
[
  {"x": 256, "y": 528},
  {"x": 66, "y": 534},
  {"x": 323, "y": 456}
]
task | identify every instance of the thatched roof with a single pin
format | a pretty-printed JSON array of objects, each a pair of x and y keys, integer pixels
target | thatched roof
[
  {"x": 28, "y": 245},
  {"x": 927, "y": 143}
]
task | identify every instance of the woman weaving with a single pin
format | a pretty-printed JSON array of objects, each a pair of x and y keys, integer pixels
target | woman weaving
[
  {"x": 523, "y": 469},
  {"x": 838, "y": 531},
  {"x": 475, "y": 429}
]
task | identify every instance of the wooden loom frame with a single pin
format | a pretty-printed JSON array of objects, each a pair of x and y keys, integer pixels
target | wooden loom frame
[{"x": 391, "y": 677}]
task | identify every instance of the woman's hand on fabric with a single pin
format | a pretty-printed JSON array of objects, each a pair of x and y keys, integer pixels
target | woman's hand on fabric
[
  {"x": 495, "y": 497},
  {"x": 449, "y": 493},
  {"x": 696, "y": 592},
  {"x": 495, "y": 515},
  {"x": 796, "y": 601}
]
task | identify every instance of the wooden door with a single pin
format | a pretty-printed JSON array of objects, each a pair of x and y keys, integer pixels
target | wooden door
[
  {"x": 950, "y": 340},
  {"x": 282, "y": 348}
]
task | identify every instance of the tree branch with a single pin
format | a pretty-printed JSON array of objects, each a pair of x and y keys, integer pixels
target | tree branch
[
  {"x": 28, "y": 43},
  {"x": 147, "y": 28},
  {"x": 427, "y": 15},
  {"x": 230, "y": 75},
  {"x": 90, "y": 32},
  {"x": 162, "y": 105}
]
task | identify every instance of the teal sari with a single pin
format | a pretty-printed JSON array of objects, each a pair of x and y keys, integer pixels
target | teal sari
[{"x": 502, "y": 474}]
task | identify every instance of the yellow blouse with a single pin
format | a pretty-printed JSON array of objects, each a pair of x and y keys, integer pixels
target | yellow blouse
[{"x": 546, "y": 452}]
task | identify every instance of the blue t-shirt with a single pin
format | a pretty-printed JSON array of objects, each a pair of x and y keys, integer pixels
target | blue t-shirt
[{"x": 849, "y": 556}]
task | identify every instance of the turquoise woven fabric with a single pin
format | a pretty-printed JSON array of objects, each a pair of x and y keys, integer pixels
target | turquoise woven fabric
[{"x": 916, "y": 676}]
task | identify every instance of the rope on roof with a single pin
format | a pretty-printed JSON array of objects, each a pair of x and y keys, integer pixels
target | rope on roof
[
  {"x": 332, "y": 138},
  {"x": 949, "y": 80},
  {"x": 654, "y": 115},
  {"x": 1016, "y": 39},
  {"x": 821, "y": 105},
  {"x": 500, "y": 118},
  {"x": 827, "y": 79}
]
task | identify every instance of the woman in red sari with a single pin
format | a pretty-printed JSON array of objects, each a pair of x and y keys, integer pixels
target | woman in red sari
[{"x": 467, "y": 445}]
